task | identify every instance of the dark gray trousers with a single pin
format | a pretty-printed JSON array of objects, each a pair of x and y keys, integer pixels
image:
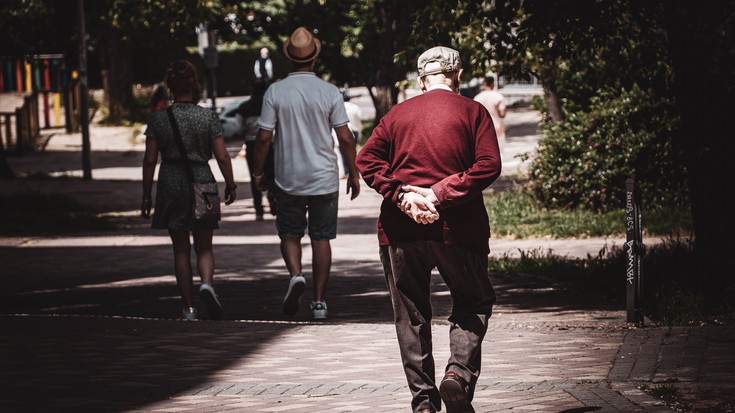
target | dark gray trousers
[{"x": 408, "y": 269}]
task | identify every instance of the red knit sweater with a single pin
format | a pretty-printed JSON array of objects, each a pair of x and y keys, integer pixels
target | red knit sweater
[{"x": 440, "y": 140}]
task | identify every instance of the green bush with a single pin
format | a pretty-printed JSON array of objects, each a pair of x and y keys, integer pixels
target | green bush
[{"x": 585, "y": 159}]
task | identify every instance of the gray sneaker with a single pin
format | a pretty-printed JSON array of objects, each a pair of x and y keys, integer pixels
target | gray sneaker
[
  {"x": 319, "y": 310},
  {"x": 214, "y": 308},
  {"x": 293, "y": 296},
  {"x": 189, "y": 314}
]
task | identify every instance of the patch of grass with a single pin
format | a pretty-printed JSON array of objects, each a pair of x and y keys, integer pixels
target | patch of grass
[
  {"x": 516, "y": 214},
  {"x": 595, "y": 279},
  {"x": 668, "y": 293},
  {"x": 668, "y": 393},
  {"x": 35, "y": 213},
  {"x": 665, "y": 391},
  {"x": 675, "y": 292},
  {"x": 669, "y": 296},
  {"x": 674, "y": 305}
]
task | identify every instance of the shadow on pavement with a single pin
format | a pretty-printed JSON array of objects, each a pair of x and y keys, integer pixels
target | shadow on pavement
[{"x": 95, "y": 364}]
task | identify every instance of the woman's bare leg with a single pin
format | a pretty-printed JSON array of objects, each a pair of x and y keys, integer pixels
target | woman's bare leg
[{"x": 182, "y": 265}]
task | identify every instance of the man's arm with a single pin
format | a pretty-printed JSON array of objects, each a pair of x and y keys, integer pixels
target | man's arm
[
  {"x": 458, "y": 188},
  {"x": 373, "y": 163},
  {"x": 377, "y": 172},
  {"x": 269, "y": 68},
  {"x": 501, "y": 107},
  {"x": 225, "y": 166},
  {"x": 150, "y": 159},
  {"x": 349, "y": 152}
]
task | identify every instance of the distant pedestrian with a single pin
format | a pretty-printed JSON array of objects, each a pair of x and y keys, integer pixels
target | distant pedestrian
[
  {"x": 202, "y": 136},
  {"x": 263, "y": 67},
  {"x": 250, "y": 112},
  {"x": 430, "y": 158},
  {"x": 354, "y": 113},
  {"x": 297, "y": 117},
  {"x": 160, "y": 98},
  {"x": 494, "y": 101}
]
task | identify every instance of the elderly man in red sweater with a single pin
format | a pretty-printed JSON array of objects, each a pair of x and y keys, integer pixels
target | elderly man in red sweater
[{"x": 430, "y": 158}]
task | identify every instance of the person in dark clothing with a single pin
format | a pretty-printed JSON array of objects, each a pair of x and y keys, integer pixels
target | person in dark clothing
[
  {"x": 249, "y": 110},
  {"x": 263, "y": 67},
  {"x": 430, "y": 158}
]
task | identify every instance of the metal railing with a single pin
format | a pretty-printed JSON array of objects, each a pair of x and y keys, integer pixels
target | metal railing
[{"x": 21, "y": 126}]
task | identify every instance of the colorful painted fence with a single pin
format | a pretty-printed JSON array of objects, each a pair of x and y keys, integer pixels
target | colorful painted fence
[
  {"x": 47, "y": 76},
  {"x": 36, "y": 92}
]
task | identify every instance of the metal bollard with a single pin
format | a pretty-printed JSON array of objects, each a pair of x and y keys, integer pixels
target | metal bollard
[{"x": 634, "y": 250}]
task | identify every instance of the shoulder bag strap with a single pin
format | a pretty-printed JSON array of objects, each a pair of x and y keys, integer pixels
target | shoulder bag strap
[{"x": 180, "y": 143}]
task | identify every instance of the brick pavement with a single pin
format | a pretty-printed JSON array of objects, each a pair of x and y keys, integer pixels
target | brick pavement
[{"x": 89, "y": 324}]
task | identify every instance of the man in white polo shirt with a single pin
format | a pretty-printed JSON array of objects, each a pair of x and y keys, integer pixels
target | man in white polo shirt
[{"x": 297, "y": 118}]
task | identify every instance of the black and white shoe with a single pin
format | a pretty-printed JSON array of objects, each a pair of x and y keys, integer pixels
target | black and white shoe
[
  {"x": 214, "y": 308},
  {"x": 293, "y": 296},
  {"x": 319, "y": 310}
]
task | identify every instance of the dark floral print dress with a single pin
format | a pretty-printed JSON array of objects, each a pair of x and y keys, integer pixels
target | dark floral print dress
[{"x": 198, "y": 126}]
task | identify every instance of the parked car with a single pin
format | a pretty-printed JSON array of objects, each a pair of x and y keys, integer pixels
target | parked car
[{"x": 230, "y": 119}]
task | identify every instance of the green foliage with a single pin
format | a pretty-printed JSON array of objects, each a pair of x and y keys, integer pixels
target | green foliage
[
  {"x": 159, "y": 31},
  {"x": 517, "y": 214},
  {"x": 605, "y": 67},
  {"x": 24, "y": 28},
  {"x": 35, "y": 213},
  {"x": 235, "y": 76},
  {"x": 675, "y": 306},
  {"x": 585, "y": 159},
  {"x": 675, "y": 292},
  {"x": 367, "y": 130},
  {"x": 474, "y": 28},
  {"x": 673, "y": 221},
  {"x": 358, "y": 38}
]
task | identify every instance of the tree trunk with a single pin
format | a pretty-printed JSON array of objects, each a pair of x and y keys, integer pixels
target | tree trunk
[
  {"x": 702, "y": 88},
  {"x": 381, "y": 100},
  {"x": 116, "y": 58},
  {"x": 553, "y": 102},
  {"x": 386, "y": 93}
]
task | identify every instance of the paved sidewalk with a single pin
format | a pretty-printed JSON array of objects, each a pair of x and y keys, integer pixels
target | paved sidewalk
[{"x": 89, "y": 322}]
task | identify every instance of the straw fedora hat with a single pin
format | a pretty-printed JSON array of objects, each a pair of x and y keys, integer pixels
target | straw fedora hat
[{"x": 302, "y": 47}]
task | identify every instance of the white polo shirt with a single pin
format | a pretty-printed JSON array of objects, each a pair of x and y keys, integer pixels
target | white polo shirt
[{"x": 302, "y": 109}]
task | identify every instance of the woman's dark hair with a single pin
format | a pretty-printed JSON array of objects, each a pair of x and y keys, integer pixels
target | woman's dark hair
[
  {"x": 181, "y": 78},
  {"x": 159, "y": 94}
]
